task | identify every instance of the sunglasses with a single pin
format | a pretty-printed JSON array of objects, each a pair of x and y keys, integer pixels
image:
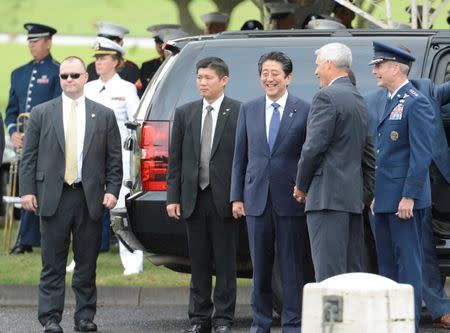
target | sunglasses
[{"x": 72, "y": 75}]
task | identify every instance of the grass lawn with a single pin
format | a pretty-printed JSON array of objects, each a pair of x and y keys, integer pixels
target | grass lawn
[
  {"x": 78, "y": 17},
  {"x": 25, "y": 270},
  {"x": 15, "y": 55}
]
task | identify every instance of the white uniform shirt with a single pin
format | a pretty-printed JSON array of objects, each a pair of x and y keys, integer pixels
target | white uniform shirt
[{"x": 120, "y": 96}]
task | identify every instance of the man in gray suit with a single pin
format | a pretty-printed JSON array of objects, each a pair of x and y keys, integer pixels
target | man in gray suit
[
  {"x": 71, "y": 169},
  {"x": 332, "y": 166}
]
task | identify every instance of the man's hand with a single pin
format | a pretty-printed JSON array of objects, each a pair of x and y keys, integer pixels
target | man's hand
[
  {"x": 372, "y": 206},
  {"x": 17, "y": 139},
  {"x": 238, "y": 209},
  {"x": 405, "y": 208},
  {"x": 299, "y": 195},
  {"x": 109, "y": 200},
  {"x": 174, "y": 210},
  {"x": 29, "y": 202}
]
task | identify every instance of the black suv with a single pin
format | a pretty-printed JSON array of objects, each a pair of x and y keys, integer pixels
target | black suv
[{"x": 146, "y": 224}]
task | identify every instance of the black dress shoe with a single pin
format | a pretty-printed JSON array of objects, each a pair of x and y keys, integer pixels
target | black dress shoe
[
  {"x": 222, "y": 329},
  {"x": 21, "y": 249},
  {"x": 198, "y": 328},
  {"x": 85, "y": 325},
  {"x": 52, "y": 327}
]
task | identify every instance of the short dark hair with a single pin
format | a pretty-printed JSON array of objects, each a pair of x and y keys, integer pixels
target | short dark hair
[
  {"x": 214, "y": 63},
  {"x": 280, "y": 57}
]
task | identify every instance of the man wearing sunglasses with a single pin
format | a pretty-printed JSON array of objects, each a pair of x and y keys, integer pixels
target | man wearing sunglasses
[
  {"x": 71, "y": 170},
  {"x": 31, "y": 84}
]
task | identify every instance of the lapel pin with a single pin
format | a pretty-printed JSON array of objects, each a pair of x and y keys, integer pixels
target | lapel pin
[{"x": 92, "y": 115}]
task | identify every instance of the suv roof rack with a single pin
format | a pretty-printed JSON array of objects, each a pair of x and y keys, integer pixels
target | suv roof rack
[{"x": 339, "y": 32}]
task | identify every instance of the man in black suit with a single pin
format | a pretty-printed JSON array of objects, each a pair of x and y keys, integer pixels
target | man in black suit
[
  {"x": 198, "y": 189},
  {"x": 71, "y": 169},
  {"x": 336, "y": 159}
]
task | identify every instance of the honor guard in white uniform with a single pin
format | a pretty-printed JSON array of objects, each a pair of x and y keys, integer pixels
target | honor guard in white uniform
[
  {"x": 129, "y": 71},
  {"x": 120, "y": 96}
]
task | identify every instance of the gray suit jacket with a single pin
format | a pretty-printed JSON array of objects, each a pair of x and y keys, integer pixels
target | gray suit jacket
[
  {"x": 336, "y": 150},
  {"x": 43, "y": 164}
]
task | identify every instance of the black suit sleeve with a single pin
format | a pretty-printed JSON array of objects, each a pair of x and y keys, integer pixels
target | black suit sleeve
[
  {"x": 27, "y": 170},
  {"x": 114, "y": 171},
  {"x": 2, "y": 139},
  {"x": 368, "y": 169},
  {"x": 175, "y": 159}
]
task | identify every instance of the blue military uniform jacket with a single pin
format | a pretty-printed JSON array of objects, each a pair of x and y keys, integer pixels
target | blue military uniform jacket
[
  {"x": 31, "y": 84},
  {"x": 438, "y": 95},
  {"x": 405, "y": 134}
]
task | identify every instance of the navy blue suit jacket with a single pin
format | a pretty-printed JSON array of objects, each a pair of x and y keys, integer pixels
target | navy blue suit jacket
[
  {"x": 438, "y": 95},
  {"x": 404, "y": 151},
  {"x": 257, "y": 171}
]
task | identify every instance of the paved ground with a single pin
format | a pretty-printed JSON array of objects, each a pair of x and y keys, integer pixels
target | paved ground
[
  {"x": 134, "y": 310},
  {"x": 142, "y": 319}
]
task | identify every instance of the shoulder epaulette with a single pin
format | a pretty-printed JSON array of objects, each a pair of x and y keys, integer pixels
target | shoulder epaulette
[{"x": 413, "y": 92}]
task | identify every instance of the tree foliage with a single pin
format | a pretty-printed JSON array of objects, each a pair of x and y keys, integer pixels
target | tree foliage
[{"x": 304, "y": 8}]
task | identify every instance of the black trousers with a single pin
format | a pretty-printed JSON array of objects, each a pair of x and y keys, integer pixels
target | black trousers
[
  {"x": 212, "y": 245},
  {"x": 71, "y": 218}
]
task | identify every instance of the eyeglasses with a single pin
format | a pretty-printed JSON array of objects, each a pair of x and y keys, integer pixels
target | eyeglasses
[{"x": 72, "y": 75}]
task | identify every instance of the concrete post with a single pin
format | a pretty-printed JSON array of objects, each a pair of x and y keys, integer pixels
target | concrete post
[{"x": 358, "y": 302}]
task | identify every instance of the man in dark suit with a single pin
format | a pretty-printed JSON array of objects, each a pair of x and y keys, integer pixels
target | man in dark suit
[
  {"x": 198, "y": 187},
  {"x": 31, "y": 84},
  {"x": 433, "y": 293},
  {"x": 269, "y": 138},
  {"x": 71, "y": 170},
  {"x": 402, "y": 182},
  {"x": 332, "y": 166}
]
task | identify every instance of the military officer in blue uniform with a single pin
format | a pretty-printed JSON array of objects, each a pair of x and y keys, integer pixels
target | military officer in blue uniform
[
  {"x": 31, "y": 84},
  {"x": 402, "y": 182},
  {"x": 433, "y": 293}
]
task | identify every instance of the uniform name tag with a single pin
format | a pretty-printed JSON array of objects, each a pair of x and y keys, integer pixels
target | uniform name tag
[{"x": 119, "y": 98}]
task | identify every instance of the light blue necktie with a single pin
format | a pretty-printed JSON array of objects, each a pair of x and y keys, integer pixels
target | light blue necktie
[{"x": 274, "y": 125}]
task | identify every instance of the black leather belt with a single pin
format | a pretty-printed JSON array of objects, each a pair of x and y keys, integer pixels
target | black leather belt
[{"x": 74, "y": 185}]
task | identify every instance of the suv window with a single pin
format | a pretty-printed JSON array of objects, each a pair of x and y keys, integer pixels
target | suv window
[{"x": 178, "y": 86}]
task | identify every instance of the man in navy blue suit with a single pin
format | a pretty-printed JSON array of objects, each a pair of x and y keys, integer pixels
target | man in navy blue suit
[
  {"x": 402, "y": 182},
  {"x": 433, "y": 293},
  {"x": 31, "y": 84},
  {"x": 269, "y": 137}
]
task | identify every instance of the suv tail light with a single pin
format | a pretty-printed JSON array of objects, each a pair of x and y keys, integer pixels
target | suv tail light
[{"x": 154, "y": 155}]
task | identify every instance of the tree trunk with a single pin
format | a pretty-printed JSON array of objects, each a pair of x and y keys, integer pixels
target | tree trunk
[{"x": 186, "y": 21}]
